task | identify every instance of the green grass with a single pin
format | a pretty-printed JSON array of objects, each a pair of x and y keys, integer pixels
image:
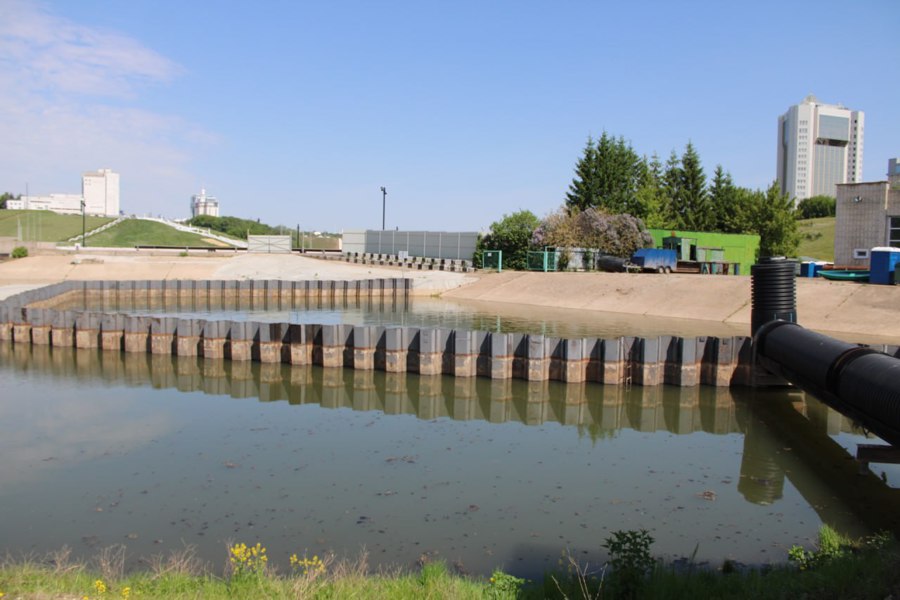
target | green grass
[
  {"x": 835, "y": 568},
  {"x": 134, "y": 232},
  {"x": 45, "y": 226},
  {"x": 817, "y": 238}
]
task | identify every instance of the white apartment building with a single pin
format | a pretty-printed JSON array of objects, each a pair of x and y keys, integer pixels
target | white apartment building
[
  {"x": 99, "y": 192},
  {"x": 819, "y": 146},
  {"x": 201, "y": 204}
]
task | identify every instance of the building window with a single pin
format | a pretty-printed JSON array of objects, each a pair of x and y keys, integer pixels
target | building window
[
  {"x": 894, "y": 231},
  {"x": 860, "y": 253}
]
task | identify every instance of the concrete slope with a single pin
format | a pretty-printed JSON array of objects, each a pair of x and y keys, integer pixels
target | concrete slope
[{"x": 869, "y": 311}]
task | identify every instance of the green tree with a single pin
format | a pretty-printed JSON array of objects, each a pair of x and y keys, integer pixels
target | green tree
[
  {"x": 650, "y": 200},
  {"x": 776, "y": 223},
  {"x": 607, "y": 176},
  {"x": 732, "y": 207},
  {"x": 817, "y": 206},
  {"x": 619, "y": 172},
  {"x": 670, "y": 189},
  {"x": 512, "y": 234},
  {"x": 691, "y": 208},
  {"x": 583, "y": 192}
]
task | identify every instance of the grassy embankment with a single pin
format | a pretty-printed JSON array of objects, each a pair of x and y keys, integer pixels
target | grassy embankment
[
  {"x": 836, "y": 568},
  {"x": 134, "y": 232},
  {"x": 45, "y": 226},
  {"x": 817, "y": 238}
]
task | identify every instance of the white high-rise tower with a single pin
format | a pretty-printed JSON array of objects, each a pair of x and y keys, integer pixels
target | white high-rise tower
[{"x": 819, "y": 146}]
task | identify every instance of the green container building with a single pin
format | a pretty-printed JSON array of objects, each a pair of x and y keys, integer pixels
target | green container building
[{"x": 726, "y": 247}]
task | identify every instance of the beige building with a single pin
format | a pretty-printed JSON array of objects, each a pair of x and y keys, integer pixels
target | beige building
[{"x": 868, "y": 216}]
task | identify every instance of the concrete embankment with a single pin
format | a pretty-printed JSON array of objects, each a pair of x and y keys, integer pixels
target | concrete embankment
[
  {"x": 853, "y": 312},
  {"x": 861, "y": 313}
]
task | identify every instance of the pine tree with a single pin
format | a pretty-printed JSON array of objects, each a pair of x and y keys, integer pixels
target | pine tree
[
  {"x": 693, "y": 207},
  {"x": 583, "y": 192},
  {"x": 671, "y": 188}
]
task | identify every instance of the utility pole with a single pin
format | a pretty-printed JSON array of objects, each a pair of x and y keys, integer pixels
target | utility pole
[
  {"x": 83, "y": 239},
  {"x": 383, "y": 205}
]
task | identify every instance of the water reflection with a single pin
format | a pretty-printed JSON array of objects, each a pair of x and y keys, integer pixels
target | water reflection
[
  {"x": 486, "y": 472},
  {"x": 392, "y": 310}
]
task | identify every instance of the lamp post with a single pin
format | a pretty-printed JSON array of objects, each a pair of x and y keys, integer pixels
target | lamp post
[
  {"x": 383, "y": 205},
  {"x": 83, "y": 239}
]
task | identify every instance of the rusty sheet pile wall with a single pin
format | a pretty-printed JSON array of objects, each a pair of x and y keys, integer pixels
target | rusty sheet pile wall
[{"x": 646, "y": 361}]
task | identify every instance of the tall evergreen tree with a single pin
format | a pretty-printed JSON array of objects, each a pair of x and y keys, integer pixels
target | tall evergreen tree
[
  {"x": 583, "y": 191},
  {"x": 722, "y": 200},
  {"x": 671, "y": 188},
  {"x": 618, "y": 171},
  {"x": 692, "y": 201}
]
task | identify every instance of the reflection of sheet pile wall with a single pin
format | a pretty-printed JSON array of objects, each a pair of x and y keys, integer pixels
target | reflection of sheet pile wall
[{"x": 624, "y": 361}]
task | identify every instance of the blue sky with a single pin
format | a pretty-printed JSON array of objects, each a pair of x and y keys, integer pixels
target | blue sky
[{"x": 297, "y": 113}]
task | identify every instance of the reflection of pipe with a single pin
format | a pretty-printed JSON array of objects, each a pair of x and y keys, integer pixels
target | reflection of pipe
[
  {"x": 817, "y": 466},
  {"x": 762, "y": 478},
  {"x": 859, "y": 382}
]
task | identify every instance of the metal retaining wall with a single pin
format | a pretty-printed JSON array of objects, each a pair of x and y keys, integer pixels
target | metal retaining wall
[{"x": 25, "y": 318}]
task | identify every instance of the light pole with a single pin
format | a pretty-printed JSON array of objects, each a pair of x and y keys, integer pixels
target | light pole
[
  {"x": 383, "y": 205},
  {"x": 83, "y": 239}
]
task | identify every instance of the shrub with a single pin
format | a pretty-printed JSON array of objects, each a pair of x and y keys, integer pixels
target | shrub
[
  {"x": 630, "y": 558},
  {"x": 19, "y": 252}
]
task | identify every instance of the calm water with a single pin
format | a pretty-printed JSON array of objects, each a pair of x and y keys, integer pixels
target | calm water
[
  {"x": 156, "y": 452},
  {"x": 411, "y": 312}
]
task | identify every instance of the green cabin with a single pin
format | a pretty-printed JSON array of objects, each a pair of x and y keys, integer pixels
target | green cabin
[{"x": 739, "y": 248}]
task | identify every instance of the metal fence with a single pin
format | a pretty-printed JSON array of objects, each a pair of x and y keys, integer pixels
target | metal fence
[{"x": 428, "y": 244}]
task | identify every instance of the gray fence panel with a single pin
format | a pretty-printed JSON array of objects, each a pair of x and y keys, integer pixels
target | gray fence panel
[{"x": 269, "y": 244}]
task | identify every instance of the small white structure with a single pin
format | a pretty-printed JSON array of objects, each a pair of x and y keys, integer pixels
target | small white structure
[{"x": 201, "y": 204}]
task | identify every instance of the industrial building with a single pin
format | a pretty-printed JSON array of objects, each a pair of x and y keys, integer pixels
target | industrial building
[
  {"x": 99, "y": 196},
  {"x": 867, "y": 216}
]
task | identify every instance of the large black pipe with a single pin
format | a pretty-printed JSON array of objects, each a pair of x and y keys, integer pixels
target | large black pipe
[{"x": 857, "y": 381}]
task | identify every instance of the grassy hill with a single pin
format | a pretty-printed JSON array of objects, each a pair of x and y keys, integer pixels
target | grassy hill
[
  {"x": 817, "y": 238},
  {"x": 134, "y": 232},
  {"x": 45, "y": 226}
]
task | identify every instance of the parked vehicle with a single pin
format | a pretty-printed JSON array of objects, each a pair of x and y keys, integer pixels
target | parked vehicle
[{"x": 660, "y": 260}]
